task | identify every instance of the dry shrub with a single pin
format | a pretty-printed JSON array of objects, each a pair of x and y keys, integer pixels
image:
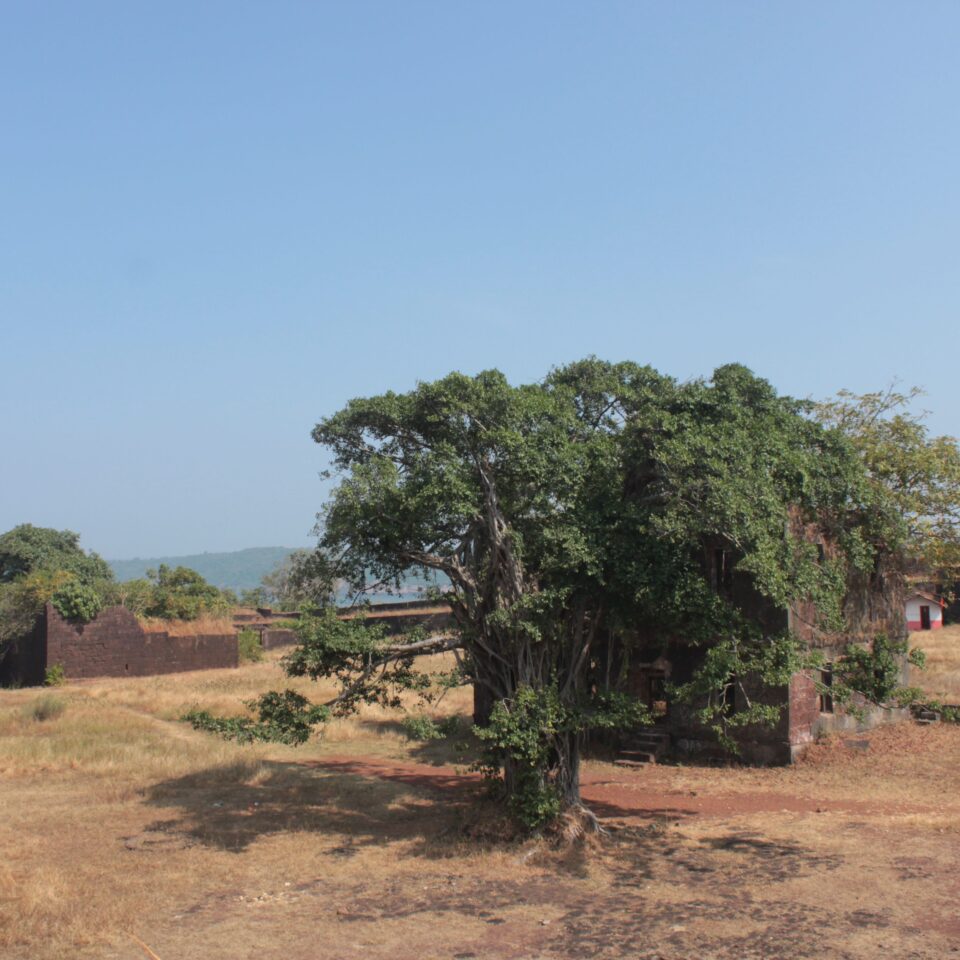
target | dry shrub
[
  {"x": 47, "y": 707},
  {"x": 205, "y": 624}
]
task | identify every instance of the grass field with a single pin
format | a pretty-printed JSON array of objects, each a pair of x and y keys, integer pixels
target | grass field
[
  {"x": 127, "y": 835},
  {"x": 941, "y": 675}
]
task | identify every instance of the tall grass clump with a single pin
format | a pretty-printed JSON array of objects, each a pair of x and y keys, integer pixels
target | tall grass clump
[
  {"x": 248, "y": 646},
  {"x": 47, "y": 707}
]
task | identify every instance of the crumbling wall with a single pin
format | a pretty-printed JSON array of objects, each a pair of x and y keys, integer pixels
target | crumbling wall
[
  {"x": 115, "y": 645},
  {"x": 270, "y": 639},
  {"x": 812, "y": 716}
]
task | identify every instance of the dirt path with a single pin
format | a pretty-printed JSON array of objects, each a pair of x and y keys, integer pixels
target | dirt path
[{"x": 628, "y": 797}]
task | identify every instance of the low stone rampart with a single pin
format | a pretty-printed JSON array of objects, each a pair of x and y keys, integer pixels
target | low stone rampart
[{"x": 115, "y": 645}]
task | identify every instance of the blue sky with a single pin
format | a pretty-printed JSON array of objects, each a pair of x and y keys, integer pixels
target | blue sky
[{"x": 220, "y": 221}]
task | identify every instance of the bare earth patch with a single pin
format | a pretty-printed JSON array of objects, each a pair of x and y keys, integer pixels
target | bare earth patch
[{"x": 126, "y": 832}]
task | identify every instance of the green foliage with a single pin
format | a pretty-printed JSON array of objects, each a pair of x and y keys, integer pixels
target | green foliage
[
  {"x": 297, "y": 581},
  {"x": 55, "y": 675},
  {"x": 35, "y": 564},
  {"x": 286, "y": 717},
  {"x": 595, "y": 501},
  {"x": 136, "y": 595},
  {"x": 522, "y": 731},
  {"x": 948, "y": 713},
  {"x": 870, "y": 675},
  {"x": 917, "y": 473},
  {"x": 28, "y": 549},
  {"x": 873, "y": 672},
  {"x": 248, "y": 646},
  {"x": 723, "y": 692},
  {"x": 182, "y": 594},
  {"x": 257, "y": 597},
  {"x": 22, "y": 601},
  {"x": 560, "y": 512},
  {"x": 419, "y": 726},
  {"x": 47, "y": 707},
  {"x": 529, "y": 736},
  {"x": 369, "y": 667},
  {"x": 357, "y": 654},
  {"x": 77, "y": 601}
]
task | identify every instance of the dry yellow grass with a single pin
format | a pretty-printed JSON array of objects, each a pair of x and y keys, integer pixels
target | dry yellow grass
[
  {"x": 121, "y": 822},
  {"x": 941, "y": 676},
  {"x": 205, "y": 624}
]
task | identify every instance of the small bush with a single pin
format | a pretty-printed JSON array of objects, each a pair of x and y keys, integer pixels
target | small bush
[
  {"x": 286, "y": 717},
  {"x": 418, "y": 726},
  {"x": 54, "y": 675},
  {"x": 77, "y": 601},
  {"x": 248, "y": 646},
  {"x": 180, "y": 593},
  {"x": 450, "y": 726},
  {"x": 47, "y": 707}
]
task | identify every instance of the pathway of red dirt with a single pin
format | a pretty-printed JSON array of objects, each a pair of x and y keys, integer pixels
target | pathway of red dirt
[{"x": 626, "y": 798}]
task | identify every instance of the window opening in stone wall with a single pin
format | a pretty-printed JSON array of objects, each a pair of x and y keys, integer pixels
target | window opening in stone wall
[{"x": 826, "y": 693}]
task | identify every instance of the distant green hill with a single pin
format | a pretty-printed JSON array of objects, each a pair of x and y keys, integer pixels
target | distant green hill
[{"x": 239, "y": 570}]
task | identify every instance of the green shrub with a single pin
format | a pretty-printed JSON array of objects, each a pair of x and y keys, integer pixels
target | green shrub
[
  {"x": 54, "y": 675},
  {"x": 47, "y": 707},
  {"x": 135, "y": 595},
  {"x": 248, "y": 646},
  {"x": 286, "y": 717},
  {"x": 77, "y": 601},
  {"x": 418, "y": 726},
  {"x": 180, "y": 593}
]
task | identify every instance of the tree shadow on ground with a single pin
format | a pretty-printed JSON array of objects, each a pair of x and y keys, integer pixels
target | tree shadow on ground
[
  {"x": 712, "y": 879},
  {"x": 460, "y": 748},
  {"x": 231, "y": 807},
  {"x": 359, "y": 804}
]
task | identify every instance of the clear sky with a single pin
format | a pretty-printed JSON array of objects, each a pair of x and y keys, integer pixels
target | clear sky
[{"x": 220, "y": 221}]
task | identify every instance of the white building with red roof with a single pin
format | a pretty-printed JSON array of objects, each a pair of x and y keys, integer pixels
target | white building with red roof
[{"x": 924, "y": 611}]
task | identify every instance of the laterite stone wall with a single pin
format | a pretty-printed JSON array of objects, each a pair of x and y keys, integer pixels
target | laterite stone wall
[{"x": 115, "y": 645}]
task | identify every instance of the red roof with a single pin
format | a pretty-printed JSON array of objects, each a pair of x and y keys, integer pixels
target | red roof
[{"x": 927, "y": 596}]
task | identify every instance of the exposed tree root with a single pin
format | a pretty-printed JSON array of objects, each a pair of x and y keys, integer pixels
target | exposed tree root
[{"x": 575, "y": 823}]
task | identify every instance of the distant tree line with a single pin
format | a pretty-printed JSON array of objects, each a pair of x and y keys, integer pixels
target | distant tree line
[{"x": 294, "y": 583}]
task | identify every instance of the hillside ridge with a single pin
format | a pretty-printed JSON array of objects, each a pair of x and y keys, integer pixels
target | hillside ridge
[{"x": 235, "y": 569}]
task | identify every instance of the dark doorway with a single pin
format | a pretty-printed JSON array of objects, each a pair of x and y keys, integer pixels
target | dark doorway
[
  {"x": 657, "y": 694},
  {"x": 924, "y": 618}
]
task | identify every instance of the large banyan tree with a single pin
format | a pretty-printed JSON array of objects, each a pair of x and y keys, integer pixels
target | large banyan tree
[{"x": 562, "y": 512}]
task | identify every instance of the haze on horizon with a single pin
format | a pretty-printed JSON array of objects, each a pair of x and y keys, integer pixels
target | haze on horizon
[{"x": 221, "y": 222}]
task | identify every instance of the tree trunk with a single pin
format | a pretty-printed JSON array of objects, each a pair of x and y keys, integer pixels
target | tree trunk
[
  {"x": 568, "y": 769},
  {"x": 482, "y": 704}
]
